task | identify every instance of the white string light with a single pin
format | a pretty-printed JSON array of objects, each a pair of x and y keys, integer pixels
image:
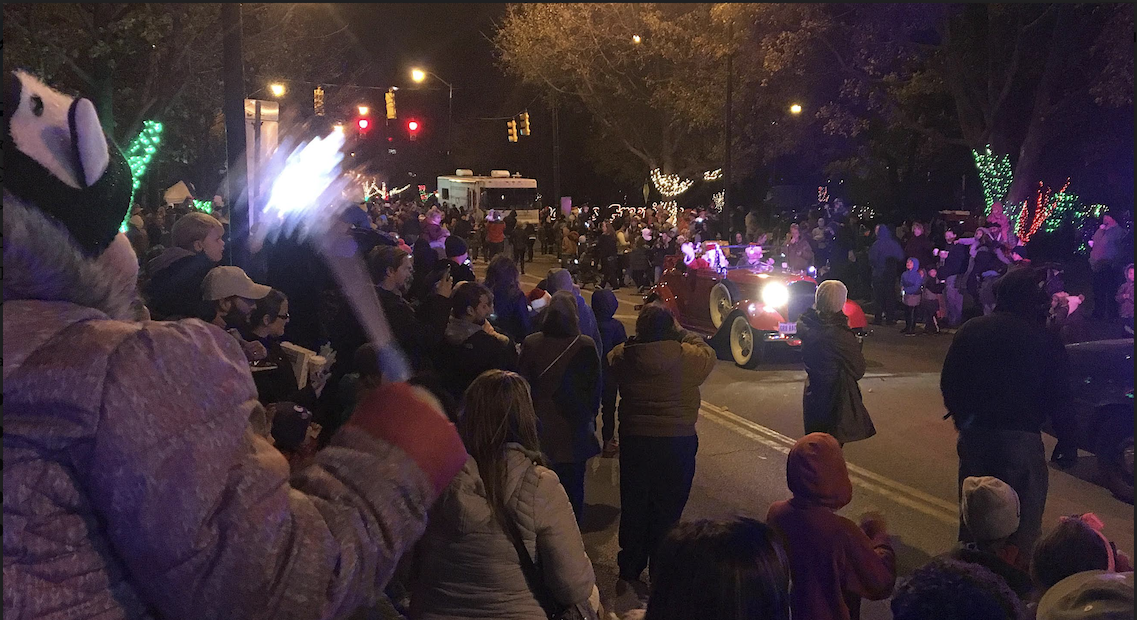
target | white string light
[
  {"x": 671, "y": 208},
  {"x": 718, "y": 201},
  {"x": 712, "y": 175},
  {"x": 670, "y": 184}
]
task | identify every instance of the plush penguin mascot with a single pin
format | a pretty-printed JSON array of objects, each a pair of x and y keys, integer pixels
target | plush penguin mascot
[{"x": 66, "y": 192}]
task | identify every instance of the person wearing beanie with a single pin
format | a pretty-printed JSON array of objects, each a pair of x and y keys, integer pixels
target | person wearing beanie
[
  {"x": 989, "y": 508},
  {"x": 177, "y": 503},
  {"x": 1089, "y": 595},
  {"x": 458, "y": 253},
  {"x": 834, "y": 563},
  {"x": 946, "y": 589},
  {"x": 834, "y": 364},
  {"x": 1003, "y": 376}
]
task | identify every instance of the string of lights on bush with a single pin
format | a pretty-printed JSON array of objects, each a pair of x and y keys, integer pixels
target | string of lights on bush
[
  {"x": 138, "y": 155},
  {"x": 995, "y": 175},
  {"x": 712, "y": 175},
  {"x": 670, "y": 207},
  {"x": 205, "y": 206},
  {"x": 670, "y": 185},
  {"x": 1045, "y": 204},
  {"x": 718, "y": 200}
]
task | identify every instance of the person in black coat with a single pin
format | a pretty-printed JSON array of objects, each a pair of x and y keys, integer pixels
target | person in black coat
[
  {"x": 1003, "y": 376},
  {"x": 470, "y": 345},
  {"x": 417, "y": 332},
  {"x": 833, "y": 364},
  {"x": 458, "y": 253},
  {"x": 511, "y": 309}
]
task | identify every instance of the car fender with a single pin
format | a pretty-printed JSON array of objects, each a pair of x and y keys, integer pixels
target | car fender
[
  {"x": 663, "y": 294},
  {"x": 856, "y": 314},
  {"x": 760, "y": 316}
]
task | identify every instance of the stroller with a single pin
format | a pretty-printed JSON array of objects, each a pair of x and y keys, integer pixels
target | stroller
[{"x": 588, "y": 267}]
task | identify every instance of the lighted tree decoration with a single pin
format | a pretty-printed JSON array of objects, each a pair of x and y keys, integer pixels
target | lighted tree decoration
[
  {"x": 138, "y": 155},
  {"x": 670, "y": 185},
  {"x": 995, "y": 175},
  {"x": 1045, "y": 205},
  {"x": 205, "y": 206}
]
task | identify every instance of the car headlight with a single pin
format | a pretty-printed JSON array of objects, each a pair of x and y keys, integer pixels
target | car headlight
[{"x": 775, "y": 294}]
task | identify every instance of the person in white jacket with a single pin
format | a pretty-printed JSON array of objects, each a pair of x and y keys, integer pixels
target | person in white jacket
[{"x": 467, "y": 565}]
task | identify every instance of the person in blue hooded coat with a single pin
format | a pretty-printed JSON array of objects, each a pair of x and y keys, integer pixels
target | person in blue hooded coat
[
  {"x": 886, "y": 256},
  {"x": 612, "y": 333},
  {"x": 912, "y": 283}
]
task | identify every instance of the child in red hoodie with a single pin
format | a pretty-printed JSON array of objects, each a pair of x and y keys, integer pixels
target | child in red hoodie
[{"x": 834, "y": 562}]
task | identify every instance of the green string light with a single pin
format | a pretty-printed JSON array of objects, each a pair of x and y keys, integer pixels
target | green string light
[
  {"x": 995, "y": 175},
  {"x": 205, "y": 206},
  {"x": 138, "y": 155}
]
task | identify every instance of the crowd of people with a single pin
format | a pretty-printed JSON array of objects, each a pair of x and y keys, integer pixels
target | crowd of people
[{"x": 165, "y": 467}]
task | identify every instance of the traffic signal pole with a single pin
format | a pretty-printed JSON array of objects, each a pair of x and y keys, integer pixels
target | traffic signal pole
[
  {"x": 236, "y": 182},
  {"x": 726, "y": 205}
]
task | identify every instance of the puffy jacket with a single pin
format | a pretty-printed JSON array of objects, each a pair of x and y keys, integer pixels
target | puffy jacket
[
  {"x": 833, "y": 563},
  {"x": 659, "y": 384},
  {"x": 466, "y": 565},
  {"x": 135, "y": 485}
]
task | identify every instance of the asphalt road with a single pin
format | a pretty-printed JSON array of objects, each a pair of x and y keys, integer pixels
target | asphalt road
[{"x": 750, "y": 419}]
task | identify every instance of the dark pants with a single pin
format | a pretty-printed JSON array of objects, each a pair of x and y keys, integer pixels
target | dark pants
[
  {"x": 1017, "y": 458},
  {"x": 572, "y": 479},
  {"x": 519, "y": 257},
  {"x": 1105, "y": 283},
  {"x": 493, "y": 249},
  {"x": 611, "y": 270},
  {"x": 884, "y": 296},
  {"x": 608, "y": 407},
  {"x": 655, "y": 481}
]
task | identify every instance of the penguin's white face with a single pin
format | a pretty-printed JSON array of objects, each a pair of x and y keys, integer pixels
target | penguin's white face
[{"x": 41, "y": 129}]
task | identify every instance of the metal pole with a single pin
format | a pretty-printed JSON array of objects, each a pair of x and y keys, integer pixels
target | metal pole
[
  {"x": 450, "y": 122},
  {"x": 556, "y": 160},
  {"x": 234, "y": 108},
  {"x": 254, "y": 167},
  {"x": 727, "y": 210}
]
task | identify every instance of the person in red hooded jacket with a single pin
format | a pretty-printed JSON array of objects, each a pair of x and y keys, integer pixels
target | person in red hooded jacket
[{"x": 834, "y": 563}]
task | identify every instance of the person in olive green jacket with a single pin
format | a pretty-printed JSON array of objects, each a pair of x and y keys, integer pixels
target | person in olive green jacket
[{"x": 659, "y": 371}]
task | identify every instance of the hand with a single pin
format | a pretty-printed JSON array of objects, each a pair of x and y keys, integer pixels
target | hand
[
  {"x": 873, "y": 523},
  {"x": 487, "y": 327},
  {"x": 445, "y": 286},
  {"x": 255, "y": 351}
]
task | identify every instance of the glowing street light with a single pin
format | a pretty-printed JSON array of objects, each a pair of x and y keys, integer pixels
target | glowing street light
[
  {"x": 418, "y": 75},
  {"x": 636, "y": 38},
  {"x": 277, "y": 90},
  {"x": 338, "y": 128},
  {"x": 795, "y": 109}
]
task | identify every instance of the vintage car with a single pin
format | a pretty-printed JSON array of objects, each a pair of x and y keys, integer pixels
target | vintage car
[
  {"x": 1101, "y": 377},
  {"x": 743, "y": 311}
]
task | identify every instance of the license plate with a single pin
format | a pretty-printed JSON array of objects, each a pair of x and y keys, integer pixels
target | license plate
[{"x": 787, "y": 328}]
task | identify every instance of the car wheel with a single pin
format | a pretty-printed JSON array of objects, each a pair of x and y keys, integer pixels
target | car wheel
[
  {"x": 744, "y": 346},
  {"x": 721, "y": 302},
  {"x": 1118, "y": 465}
]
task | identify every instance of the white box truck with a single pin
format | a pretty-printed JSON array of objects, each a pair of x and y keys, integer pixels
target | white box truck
[{"x": 499, "y": 191}]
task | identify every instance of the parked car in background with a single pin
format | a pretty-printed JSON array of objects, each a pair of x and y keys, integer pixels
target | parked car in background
[{"x": 1101, "y": 374}]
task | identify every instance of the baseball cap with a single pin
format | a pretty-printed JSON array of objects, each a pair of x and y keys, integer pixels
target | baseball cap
[
  {"x": 989, "y": 507},
  {"x": 229, "y": 281},
  {"x": 1092, "y": 594}
]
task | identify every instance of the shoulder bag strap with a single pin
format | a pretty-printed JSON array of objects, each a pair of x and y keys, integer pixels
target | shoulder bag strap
[
  {"x": 528, "y": 568},
  {"x": 558, "y": 358}
]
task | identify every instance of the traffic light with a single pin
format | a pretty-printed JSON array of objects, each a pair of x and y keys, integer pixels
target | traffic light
[
  {"x": 512, "y": 129},
  {"x": 524, "y": 123},
  {"x": 412, "y": 129},
  {"x": 363, "y": 125},
  {"x": 390, "y": 98}
]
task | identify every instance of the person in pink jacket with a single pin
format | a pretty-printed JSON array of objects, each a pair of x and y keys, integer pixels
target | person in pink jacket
[
  {"x": 140, "y": 478},
  {"x": 834, "y": 563}
]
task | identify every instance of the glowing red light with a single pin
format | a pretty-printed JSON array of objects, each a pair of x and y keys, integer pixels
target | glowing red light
[
  {"x": 364, "y": 123},
  {"x": 413, "y": 125}
]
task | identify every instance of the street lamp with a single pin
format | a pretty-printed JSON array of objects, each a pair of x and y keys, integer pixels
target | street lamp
[
  {"x": 419, "y": 75},
  {"x": 795, "y": 109},
  {"x": 277, "y": 90}
]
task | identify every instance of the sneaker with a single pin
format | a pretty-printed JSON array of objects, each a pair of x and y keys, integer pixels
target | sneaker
[
  {"x": 611, "y": 449},
  {"x": 908, "y": 333}
]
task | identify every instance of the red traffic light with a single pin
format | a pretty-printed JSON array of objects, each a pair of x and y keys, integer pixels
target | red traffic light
[
  {"x": 413, "y": 125},
  {"x": 363, "y": 123}
]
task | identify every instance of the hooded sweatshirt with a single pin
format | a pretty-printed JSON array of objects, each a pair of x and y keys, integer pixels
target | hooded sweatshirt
[
  {"x": 561, "y": 280},
  {"x": 604, "y": 305},
  {"x": 911, "y": 280},
  {"x": 886, "y": 256},
  {"x": 833, "y": 562}
]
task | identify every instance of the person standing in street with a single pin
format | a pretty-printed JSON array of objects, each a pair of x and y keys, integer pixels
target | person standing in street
[
  {"x": 563, "y": 370},
  {"x": 604, "y": 306},
  {"x": 833, "y": 364},
  {"x": 1003, "y": 376},
  {"x": 958, "y": 255},
  {"x": 1106, "y": 261},
  {"x": 886, "y": 258},
  {"x": 659, "y": 371}
]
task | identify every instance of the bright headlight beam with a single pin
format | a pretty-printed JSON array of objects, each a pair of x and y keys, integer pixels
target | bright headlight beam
[{"x": 775, "y": 294}]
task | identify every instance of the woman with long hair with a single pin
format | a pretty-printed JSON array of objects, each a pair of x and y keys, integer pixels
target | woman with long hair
[
  {"x": 563, "y": 367},
  {"x": 729, "y": 570},
  {"x": 509, "y": 304},
  {"x": 502, "y": 504}
]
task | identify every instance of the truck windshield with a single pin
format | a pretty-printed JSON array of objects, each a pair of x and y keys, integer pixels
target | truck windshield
[{"x": 506, "y": 198}]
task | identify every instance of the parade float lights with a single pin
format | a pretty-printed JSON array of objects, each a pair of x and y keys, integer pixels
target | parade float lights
[{"x": 308, "y": 189}]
